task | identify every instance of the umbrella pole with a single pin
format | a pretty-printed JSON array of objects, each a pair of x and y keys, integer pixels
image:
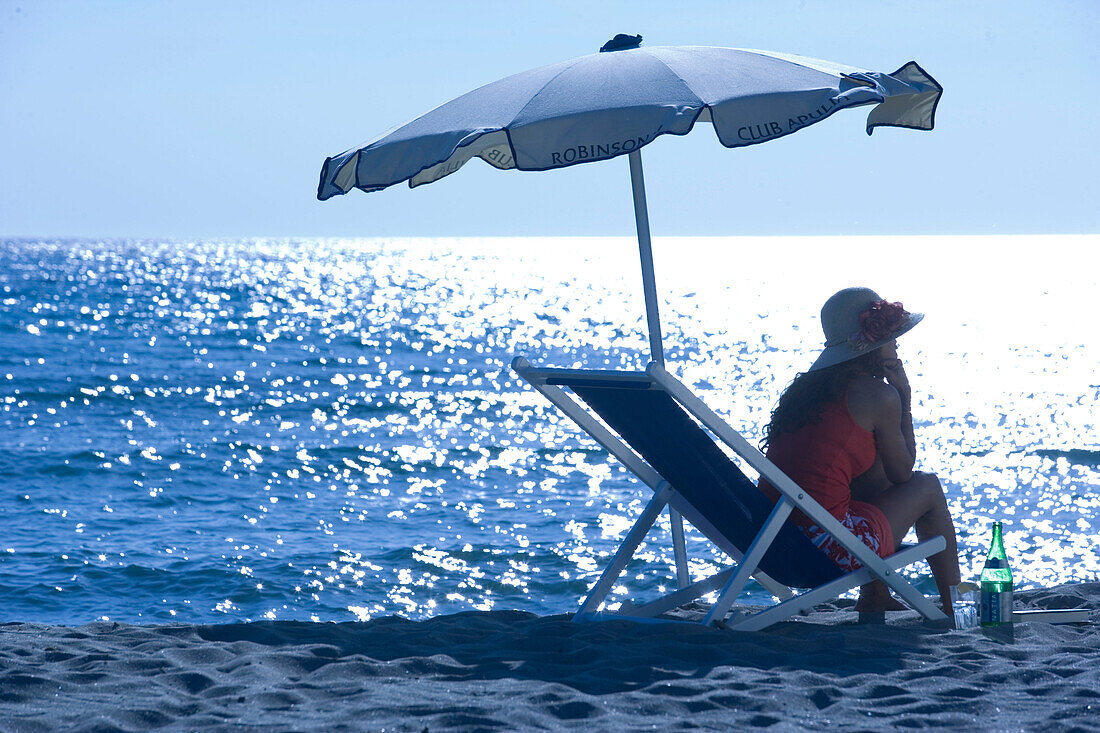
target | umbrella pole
[
  {"x": 645, "y": 251},
  {"x": 649, "y": 287}
]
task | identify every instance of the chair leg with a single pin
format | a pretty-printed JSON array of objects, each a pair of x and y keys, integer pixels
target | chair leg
[
  {"x": 679, "y": 597},
  {"x": 626, "y": 550},
  {"x": 913, "y": 597},
  {"x": 832, "y": 589},
  {"x": 676, "y": 521},
  {"x": 805, "y": 601},
  {"x": 747, "y": 566}
]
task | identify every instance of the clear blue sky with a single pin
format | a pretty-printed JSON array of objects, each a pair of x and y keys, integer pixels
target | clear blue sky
[{"x": 193, "y": 119}]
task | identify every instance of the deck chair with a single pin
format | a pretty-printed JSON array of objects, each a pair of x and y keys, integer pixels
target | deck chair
[{"x": 659, "y": 442}]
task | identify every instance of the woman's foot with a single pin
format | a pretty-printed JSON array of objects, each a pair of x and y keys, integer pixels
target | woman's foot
[{"x": 875, "y": 598}]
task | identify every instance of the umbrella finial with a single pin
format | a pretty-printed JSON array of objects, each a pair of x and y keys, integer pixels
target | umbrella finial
[{"x": 621, "y": 42}]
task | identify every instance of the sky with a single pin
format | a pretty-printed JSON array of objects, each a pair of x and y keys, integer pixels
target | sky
[{"x": 207, "y": 119}]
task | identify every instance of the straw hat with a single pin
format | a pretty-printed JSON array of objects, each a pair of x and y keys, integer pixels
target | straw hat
[{"x": 856, "y": 321}]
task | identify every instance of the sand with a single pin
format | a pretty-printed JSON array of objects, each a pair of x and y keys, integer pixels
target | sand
[{"x": 508, "y": 670}]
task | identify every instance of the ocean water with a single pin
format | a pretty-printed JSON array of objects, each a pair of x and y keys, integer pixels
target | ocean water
[{"x": 221, "y": 430}]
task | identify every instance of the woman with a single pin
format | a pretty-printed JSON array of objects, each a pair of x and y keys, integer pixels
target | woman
[{"x": 843, "y": 431}]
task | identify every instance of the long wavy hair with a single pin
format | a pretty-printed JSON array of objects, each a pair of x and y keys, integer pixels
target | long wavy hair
[{"x": 804, "y": 399}]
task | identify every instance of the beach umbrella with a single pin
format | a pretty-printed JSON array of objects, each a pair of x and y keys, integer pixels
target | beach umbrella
[{"x": 618, "y": 101}]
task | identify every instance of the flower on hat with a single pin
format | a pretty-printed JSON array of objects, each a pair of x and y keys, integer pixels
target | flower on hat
[{"x": 879, "y": 322}]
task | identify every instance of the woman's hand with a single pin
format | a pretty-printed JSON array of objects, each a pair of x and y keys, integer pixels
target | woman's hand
[{"x": 894, "y": 371}]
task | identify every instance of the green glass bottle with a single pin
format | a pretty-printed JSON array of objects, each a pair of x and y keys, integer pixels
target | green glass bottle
[{"x": 996, "y": 584}]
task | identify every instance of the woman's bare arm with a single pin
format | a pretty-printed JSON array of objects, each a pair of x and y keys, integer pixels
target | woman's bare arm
[
  {"x": 878, "y": 407},
  {"x": 894, "y": 440},
  {"x": 897, "y": 378},
  {"x": 871, "y": 482}
]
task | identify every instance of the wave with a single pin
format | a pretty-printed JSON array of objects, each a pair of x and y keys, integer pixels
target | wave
[{"x": 1080, "y": 456}]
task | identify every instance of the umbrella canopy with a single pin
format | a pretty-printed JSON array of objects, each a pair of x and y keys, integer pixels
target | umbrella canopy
[{"x": 610, "y": 104}]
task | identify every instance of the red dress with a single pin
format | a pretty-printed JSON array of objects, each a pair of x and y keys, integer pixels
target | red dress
[{"x": 823, "y": 458}]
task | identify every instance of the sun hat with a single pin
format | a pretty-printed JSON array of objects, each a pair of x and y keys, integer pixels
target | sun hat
[{"x": 857, "y": 321}]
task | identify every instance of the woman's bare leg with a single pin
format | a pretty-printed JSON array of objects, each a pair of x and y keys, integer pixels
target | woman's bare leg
[
  {"x": 870, "y": 483},
  {"x": 874, "y": 596},
  {"x": 920, "y": 503}
]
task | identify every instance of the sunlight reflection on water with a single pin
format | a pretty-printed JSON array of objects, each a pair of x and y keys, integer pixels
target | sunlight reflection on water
[{"x": 329, "y": 430}]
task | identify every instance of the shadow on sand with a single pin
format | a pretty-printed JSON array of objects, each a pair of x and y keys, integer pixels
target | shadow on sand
[{"x": 594, "y": 658}]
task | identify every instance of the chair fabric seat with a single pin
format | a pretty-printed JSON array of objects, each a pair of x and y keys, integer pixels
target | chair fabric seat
[{"x": 683, "y": 453}]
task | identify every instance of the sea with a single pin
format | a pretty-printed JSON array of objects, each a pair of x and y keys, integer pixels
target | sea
[{"x": 221, "y": 430}]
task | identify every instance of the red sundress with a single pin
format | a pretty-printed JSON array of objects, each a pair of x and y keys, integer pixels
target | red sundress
[{"x": 823, "y": 458}]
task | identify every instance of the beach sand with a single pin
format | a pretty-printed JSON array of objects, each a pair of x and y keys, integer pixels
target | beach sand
[{"x": 507, "y": 670}]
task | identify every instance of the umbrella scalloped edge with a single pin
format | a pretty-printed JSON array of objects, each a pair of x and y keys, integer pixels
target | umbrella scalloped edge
[{"x": 906, "y": 98}]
